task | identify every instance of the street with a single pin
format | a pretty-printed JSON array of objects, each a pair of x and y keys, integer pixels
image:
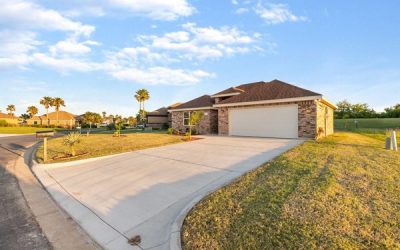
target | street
[{"x": 18, "y": 227}]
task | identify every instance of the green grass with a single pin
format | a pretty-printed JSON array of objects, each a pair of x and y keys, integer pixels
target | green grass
[
  {"x": 368, "y": 124},
  {"x": 96, "y": 145},
  {"x": 21, "y": 130},
  {"x": 342, "y": 192}
]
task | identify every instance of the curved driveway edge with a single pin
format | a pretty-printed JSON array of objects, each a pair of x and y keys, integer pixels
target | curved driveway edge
[
  {"x": 60, "y": 230},
  {"x": 149, "y": 192}
]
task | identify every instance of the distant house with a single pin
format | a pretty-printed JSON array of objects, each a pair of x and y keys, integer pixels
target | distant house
[
  {"x": 160, "y": 118},
  {"x": 10, "y": 119},
  {"x": 34, "y": 121},
  {"x": 65, "y": 119}
]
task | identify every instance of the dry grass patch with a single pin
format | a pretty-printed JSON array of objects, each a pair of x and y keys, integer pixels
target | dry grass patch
[
  {"x": 96, "y": 145},
  {"x": 342, "y": 192}
]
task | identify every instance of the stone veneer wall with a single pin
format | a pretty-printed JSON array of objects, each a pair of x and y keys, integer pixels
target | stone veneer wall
[
  {"x": 321, "y": 116},
  {"x": 307, "y": 118},
  {"x": 207, "y": 125}
]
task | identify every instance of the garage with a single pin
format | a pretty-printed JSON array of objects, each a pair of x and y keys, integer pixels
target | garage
[{"x": 267, "y": 121}]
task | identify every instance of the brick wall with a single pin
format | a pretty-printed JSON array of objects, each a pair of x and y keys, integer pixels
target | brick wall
[
  {"x": 207, "y": 125},
  {"x": 307, "y": 114}
]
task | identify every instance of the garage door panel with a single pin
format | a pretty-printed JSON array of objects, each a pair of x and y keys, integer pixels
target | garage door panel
[{"x": 273, "y": 121}]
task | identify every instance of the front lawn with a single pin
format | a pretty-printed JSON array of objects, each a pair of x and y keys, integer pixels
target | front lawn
[
  {"x": 367, "y": 123},
  {"x": 21, "y": 130},
  {"x": 342, "y": 192},
  {"x": 96, "y": 145}
]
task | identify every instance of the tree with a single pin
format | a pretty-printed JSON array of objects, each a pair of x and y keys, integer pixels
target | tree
[
  {"x": 90, "y": 118},
  {"x": 393, "y": 112},
  {"x": 195, "y": 118},
  {"x": 141, "y": 96},
  {"x": 343, "y": 110},
  {"x": 104, "y": 117},
  {"x": 47, "y": 103},
  {"x": 57, "y": 102},
  {"x": 24, "y": 117},
  {"x": 11, "y": 109},
  {"x": 32, "y": 111},
  {"x": 132, "y": 121}
]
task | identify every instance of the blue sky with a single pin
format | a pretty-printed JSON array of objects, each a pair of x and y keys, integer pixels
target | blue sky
[{"x": 96, "y": 54}]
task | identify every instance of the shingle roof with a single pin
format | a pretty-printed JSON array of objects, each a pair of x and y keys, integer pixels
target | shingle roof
[
  {"x": 273, "y": 90},
  {"x": 62, "y": 115},
  {"x": 7, "y": 116},
  {"x": 202, "y": 101}
]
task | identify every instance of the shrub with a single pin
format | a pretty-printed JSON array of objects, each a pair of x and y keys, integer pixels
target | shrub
[
  {"x": 170, "y": 131},
  {"x": 71, "y": 140},
  {"x": 3, "y": 123}
]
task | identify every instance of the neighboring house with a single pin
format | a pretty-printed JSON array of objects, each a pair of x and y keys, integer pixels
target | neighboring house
[
  {"x": 65, "y": 119},
  {"x": 160, "y": 118},
  {"x": 34, "y": 121},
  {"x": 261, "y": 109},
  {"x": 10, "y": 119}
]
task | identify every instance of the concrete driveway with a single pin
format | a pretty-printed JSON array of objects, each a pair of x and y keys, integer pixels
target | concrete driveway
[{"x": 148, "y": 192}]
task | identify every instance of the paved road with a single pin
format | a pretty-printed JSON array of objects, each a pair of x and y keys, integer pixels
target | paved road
[
  {"x": 18, "y": 227},
  {"x": 144, "y": 192}
]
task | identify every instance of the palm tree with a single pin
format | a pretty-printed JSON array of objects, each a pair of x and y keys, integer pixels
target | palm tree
[
  {"x": 104, "y": 118},
  {"x": 141, "y": 96},
  {"x": 11, "y": 109},
  {"x": 32, "y": 111},
  {"x": 57, "y": 103},
  {"x": 47, "y": 103}
]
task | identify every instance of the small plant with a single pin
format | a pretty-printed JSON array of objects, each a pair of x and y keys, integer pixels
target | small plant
[
  {"x": 118, "y": 128},
  {"x": 195, "y": 118},
  {"x": 170, "y": 131},
  {"x": 71, "y": 140},
  {"x": 320, "y": 132}
]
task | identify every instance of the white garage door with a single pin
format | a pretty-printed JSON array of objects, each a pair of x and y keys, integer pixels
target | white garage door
[{"x": 271, "y": 121}]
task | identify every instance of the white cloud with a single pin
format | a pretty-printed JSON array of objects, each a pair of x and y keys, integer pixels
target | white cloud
[
  {"x": 277, "y": 13},
  {"x": 69, "y": 46},
  {"x": 27, "y": 15},
  {"x": 161, "y": 75},
  {"x": 235, "y": 2},
  {"x": 241, "y": 10},
  {"x": 199, "y": 43},
  {"x": 15, "y": 47},
  {"x": 156, "y": 9},
  {"x": 64, "y": 65}
]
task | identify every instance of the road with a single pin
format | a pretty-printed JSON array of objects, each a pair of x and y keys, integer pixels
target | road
[{"x": 18, "y": 227}]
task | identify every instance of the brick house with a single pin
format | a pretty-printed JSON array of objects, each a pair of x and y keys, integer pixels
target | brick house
[
  {"x": 261, "y": 109},
  {"x": 160, "y": 118}
]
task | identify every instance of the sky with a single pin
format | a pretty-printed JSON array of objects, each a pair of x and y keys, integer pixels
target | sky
[{"x": 96, "y": 53}]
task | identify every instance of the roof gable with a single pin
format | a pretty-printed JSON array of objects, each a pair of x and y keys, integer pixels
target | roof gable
[
  {"x": 62, "y": 115},
  {"x": 7, "y": 116},
  {"x": 273, "y": 90},
  {"x": 200, "y": 102}
]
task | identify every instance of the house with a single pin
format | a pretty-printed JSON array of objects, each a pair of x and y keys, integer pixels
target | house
[
  {"x": 10, "y": 119},
  {"x": 35, "y": 120},
  {"x": 65, "y": 119},
  {"x": 260, "y": 109},
  {"x": 160, "y": 118}
]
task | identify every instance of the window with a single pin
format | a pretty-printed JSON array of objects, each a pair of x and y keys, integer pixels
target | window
[{"x": 186, "y": 118}]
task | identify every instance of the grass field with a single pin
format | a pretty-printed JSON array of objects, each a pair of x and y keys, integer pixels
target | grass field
[
  {"x": 21, "y": 130},
  {"x": 341, "y": 192},
  {"x": 96, "y": 145},
  {"x": 376, "y": 123}
]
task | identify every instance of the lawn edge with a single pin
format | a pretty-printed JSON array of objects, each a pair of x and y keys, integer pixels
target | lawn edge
[{"x": 175, "y": 240}]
